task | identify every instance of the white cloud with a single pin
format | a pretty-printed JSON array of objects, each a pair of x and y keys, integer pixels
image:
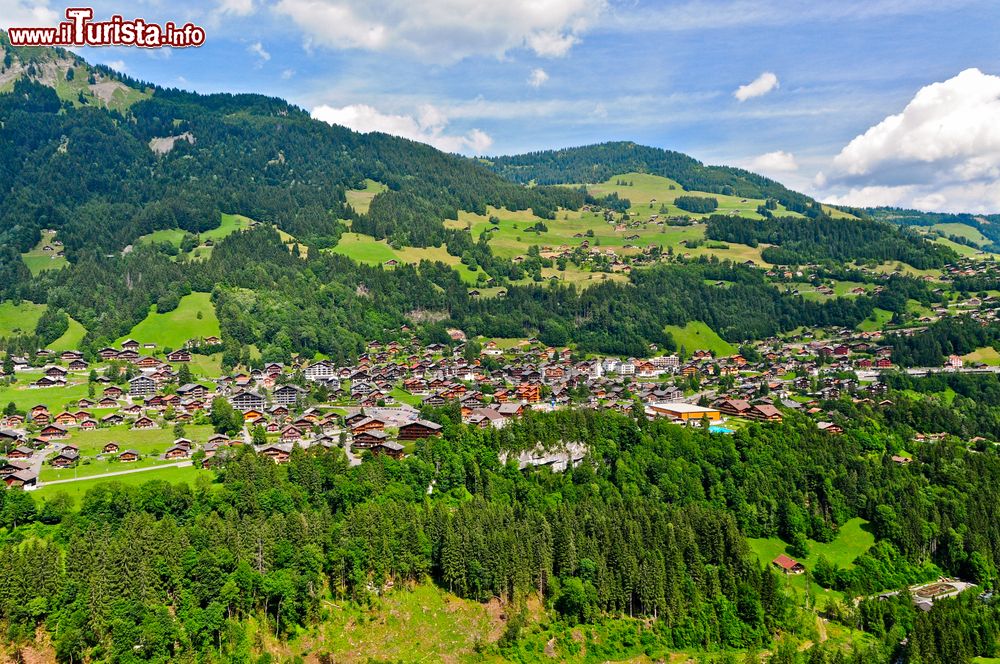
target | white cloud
[
  {"x": 770, "y": 163},
  {"x": 118, "y": 65},
  {"x": 287, "y": 74},
  {"x": 258, "y": 49},
  {"x": 942, "y": 152},
  {"x": 445, "y": 30},
  {"x": 235, "y": 7},
  {"x": 17, "y": 14},
  {"x": 758, "y": 87},
  {"x": 427, "y": 127},
  {"x": 537, "y": 78}
]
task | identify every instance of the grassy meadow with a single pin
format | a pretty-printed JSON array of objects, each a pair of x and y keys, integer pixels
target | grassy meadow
[{"x": 174, "y": 328}]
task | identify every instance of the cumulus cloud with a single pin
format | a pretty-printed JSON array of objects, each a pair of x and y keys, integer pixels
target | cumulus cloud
[
  {"x": 942, "y": 152},
  {"x": 537, "y": 78},
  {"x": 118, "y": 65},
  {"x": 758, "y": 87},
  {"x": 17, "y": 14},
  {"x": 445, "y": 30},
  {"x": 258, "y": 49},
  {"x": 778, "y": 161},
  {"x": 428, "y": 126}
]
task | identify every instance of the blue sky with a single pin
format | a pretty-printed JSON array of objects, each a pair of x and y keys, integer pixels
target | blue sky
[{"x": 475, "y": 76}]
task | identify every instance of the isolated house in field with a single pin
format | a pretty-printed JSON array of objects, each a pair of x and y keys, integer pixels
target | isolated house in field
[
  {"x": 128, "y": 456},
  {"x": 788, "y": 565},
  {"x": 66, "y": 458},
  {"x": 177, "y": 452},
  {"x": 111, "y": 448}
]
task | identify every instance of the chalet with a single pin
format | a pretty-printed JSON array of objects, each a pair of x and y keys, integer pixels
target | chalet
[
  {"x": 54, "y": 431},
  {"x": 131, "y": 344},
  {"x": 179, "y": 356},
  {"x": 107, "y": 354},
  {"x": 192, "y": 391},
  {"x": 70, "y": 355},
  {"x": 129, "y": 355},
  {"x": 733, "y": 407},
  {"x": 141, "y": 386},
  {"x": 369, "y": 439},
  {"x": 245, "y": 400},
  {"x": 765, "y": 412},
  {"x": 288, "y": 394},
  {"x": 366, "y": 424},
  {"x": 419, "y": 429},
  {"x": 177, "y": 452},
  {"x": 128, "y": 456},
  {"x": 788, "y": 565},
  {"x": 253, "y": 416},
  {"x": 901, "y": 460},
  {"x": 112, "y": 419},
  {"x": 277, "y": 453},
  {"x": 11, "y": 467},
  {"x": 147, "y": 362},
  {"x": 21, "y": 478},
  {"x": 389, "y": 448},
  {"x": 66, "y": 419},
  {"x": 66, "y": 458},
  {"x": 291, "y": 433},
  {"x": 9, "y": 437},
  {"x": 144, "y": 422},
  {"x": 111, "y": 448},
  {"x": 78, "y": 365},
  {"x": 20, "y": 452},
  {"x": 113, "y": 392},
  {"x": 829, "y": 427}
]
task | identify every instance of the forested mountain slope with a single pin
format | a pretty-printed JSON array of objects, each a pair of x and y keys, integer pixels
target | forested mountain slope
[
  {"x": 596, "y": 163},
  {"x": 103, "y": 173}
]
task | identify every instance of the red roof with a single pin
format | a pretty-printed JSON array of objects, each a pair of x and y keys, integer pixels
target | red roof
[{"x": 784, "y": 562}]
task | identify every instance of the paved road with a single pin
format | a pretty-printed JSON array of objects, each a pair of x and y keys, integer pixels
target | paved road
[{"x": 179, "y": 464}]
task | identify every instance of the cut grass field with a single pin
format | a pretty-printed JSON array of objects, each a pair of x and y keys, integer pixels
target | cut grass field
[
  {"x": 19, "y": 318},
  {"x": 174, "y": 328},
  {"x": 171, "y": 474},
  {"x": 962, "y": 231},
  {"x": 228, "y": 224},
  {"x": 877, "y": 321},
  {"x": 366, "y": 249},
  {"x": 988, "y": 356},
  {"x": 852, "y": 540},
  {"x": 422, "y": 624},
  {"x": 71, "y": 338},
  {"x": 696, "y": 335},
  {"x": 39, "y": 260},
  {"x": 361, "y": 199},
  {"x": 146, "y": 441},
  {"x": 56, "y": 398},
  {"x": 23, "y": 318}
]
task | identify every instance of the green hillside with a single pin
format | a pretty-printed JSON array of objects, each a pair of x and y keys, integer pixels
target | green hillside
[
  {"x": 698, "y": 336},
  {"x": 194, "y": 317}
]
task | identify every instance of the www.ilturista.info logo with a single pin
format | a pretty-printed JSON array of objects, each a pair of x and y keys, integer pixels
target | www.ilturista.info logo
[{"x": 80, "y": 30}]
